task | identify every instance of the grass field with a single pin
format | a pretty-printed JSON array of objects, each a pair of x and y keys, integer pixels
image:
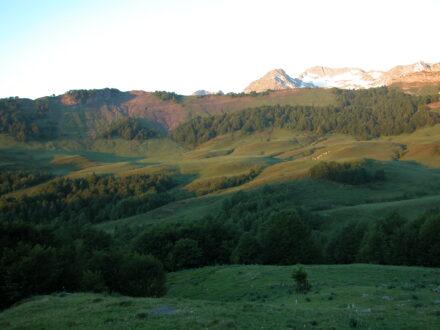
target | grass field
[{"x": 252, "y": 297}]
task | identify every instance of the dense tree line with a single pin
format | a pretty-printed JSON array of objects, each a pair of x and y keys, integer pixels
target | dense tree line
[
  {"x": 14, "y": 180},
  {"x": 254, "y": 228},
  {"x": 250, "y": 228},
  {"x": 129, "y": 129},
  {"x": 44, "y": 259},
  {"x": 392, "y": 240},
  {"x": 86, "y": 96},
  {"x": 253, "y": 93},
  {"x": 91, "y": 199},
  {"x": 22, "y": 119},
  {"x": 207, "y": 186},
  {"x": 354, "y": 173},
  {"x": 168, "y": 96},
  {"x": 362, "y": 113}
]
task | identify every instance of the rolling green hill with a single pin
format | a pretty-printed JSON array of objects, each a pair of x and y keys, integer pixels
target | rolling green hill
[
  {"x": 250, "y": 297},
  {"x": 162, "y": 174}
]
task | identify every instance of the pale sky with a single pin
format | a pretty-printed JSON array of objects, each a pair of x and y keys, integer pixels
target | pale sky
[{"x": 50, "y": 46}]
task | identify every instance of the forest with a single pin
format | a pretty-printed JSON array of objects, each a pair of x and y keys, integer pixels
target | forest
[
  {"x": 249, "y": 229},
  {"x": 14, "y": 180},
  {"x": 84, "y": 96},
  {"x": 364, "y": 114},
  {"x": 89, "y": 200},
  {"x": 22, "y": 119},
  {"x": 129, "y": 129}
]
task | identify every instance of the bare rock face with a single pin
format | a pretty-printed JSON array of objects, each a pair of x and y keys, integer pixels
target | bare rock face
[
  {"x": 274, "y": 80},
  {"x": 419, "y": 72}
]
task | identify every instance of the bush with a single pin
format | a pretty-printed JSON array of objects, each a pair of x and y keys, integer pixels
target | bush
[{"x": 302, "y": 284}]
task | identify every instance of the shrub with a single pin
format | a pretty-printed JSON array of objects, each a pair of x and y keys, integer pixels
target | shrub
[{"x": 302, "y": 284}]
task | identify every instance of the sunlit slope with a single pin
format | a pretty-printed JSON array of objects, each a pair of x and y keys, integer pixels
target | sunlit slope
[{"x": 279, "y": 156}]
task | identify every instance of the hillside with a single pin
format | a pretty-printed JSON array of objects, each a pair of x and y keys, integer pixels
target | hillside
[
  {"x": 249, "y": 297},
  {"x": 113, "y": 200}
]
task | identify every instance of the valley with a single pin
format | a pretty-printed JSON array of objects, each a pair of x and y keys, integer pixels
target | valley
[{"x": 197, "y": 188}]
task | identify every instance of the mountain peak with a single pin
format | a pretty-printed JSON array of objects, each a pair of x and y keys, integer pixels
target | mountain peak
[{"x": 274, "y": 80}]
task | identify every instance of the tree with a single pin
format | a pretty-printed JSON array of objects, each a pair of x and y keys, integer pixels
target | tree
[
  {"x": 26, "y": 271},
  {"x": 185, "y": 254},
  {"x": 142, "y": 276},
  {"x": 343, "y": 246},
  {"x": 248, "y": 250},
  {"x": 287, "y": 240},
  {"x": 429, "y": 240},
  {"x": 384, "y": 241}
]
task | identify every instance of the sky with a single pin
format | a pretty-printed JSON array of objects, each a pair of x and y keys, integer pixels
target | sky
[{"x": 51, "y": 46}]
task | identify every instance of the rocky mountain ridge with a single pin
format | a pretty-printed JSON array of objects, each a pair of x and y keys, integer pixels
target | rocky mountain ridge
[{"x": 347, "y": 78}]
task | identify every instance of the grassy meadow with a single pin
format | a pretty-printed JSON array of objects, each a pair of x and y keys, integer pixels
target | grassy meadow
[{"x": 251, "y": 297}]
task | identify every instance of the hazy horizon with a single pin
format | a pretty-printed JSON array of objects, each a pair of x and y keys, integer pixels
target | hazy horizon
[{"x": 49, "y": 47}]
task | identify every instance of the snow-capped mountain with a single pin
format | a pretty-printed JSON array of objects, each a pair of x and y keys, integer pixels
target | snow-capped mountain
[
  {"x": 275, "y": 80},
  {"x": 347, "y": 78},
  {"x": 350, "y": 78}
]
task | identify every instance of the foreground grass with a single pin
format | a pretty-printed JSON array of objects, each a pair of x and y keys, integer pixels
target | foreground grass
[{"x": 251, "y": 297}]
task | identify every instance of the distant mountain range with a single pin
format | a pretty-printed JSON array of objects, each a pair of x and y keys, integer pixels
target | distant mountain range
[{"x": 347, "y": 78}]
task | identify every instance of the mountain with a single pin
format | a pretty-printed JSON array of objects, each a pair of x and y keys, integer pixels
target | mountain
[
  {"x": 348, "y": 78},
  {"x": 275, "y": 80}
]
